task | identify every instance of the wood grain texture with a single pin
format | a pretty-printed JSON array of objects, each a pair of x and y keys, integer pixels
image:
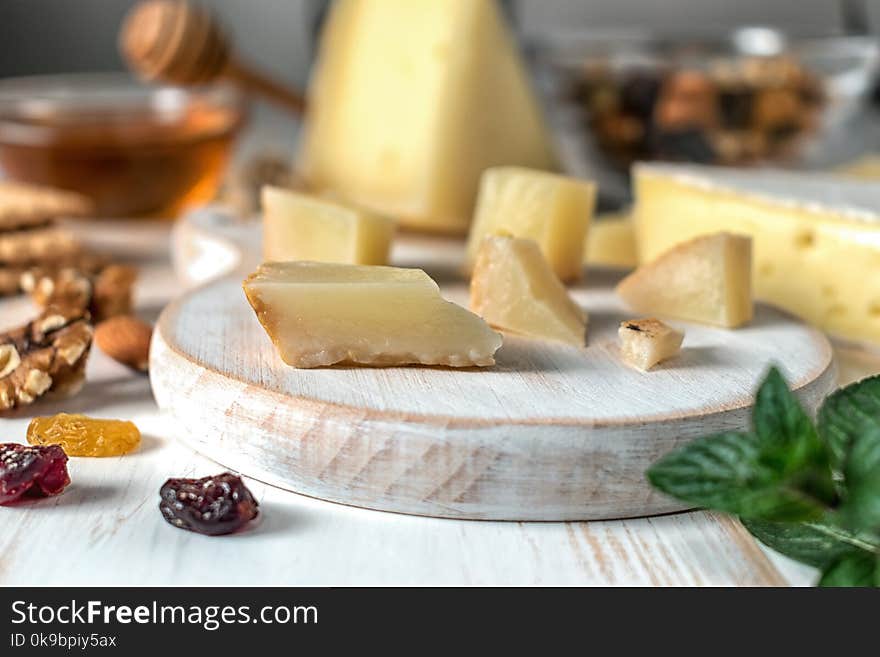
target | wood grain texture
[
  {"x": 114, "y": 535},
  {"x": 550, "y": 433}
]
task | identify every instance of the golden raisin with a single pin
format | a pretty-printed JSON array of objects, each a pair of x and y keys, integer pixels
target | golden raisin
[{"x": 80, "y": 435}]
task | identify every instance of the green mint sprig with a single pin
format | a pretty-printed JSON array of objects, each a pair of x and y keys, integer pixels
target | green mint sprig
[{"x": 811, "y": 493}]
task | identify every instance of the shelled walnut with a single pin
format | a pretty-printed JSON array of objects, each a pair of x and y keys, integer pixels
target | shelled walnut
[
  {"x": 104, "y": 290},
  {"x": 46, "y": 355}
]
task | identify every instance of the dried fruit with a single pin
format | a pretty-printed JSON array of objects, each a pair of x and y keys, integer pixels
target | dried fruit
[
  {"x": 35, "y": 471},
  {"x": 212, "y": 505},
  {"x": 80, "y": 435},
  {"x": 125, "y": 339}
]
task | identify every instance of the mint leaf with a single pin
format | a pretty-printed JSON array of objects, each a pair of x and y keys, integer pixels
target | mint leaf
[
  {"x": 790, "y": 443},
  {"x": 726, "y": 472},
  {"x": 862, "y": 480},
  {"x": 778, "y": 417},
  {"x": 856, "y": 569},
  {"x": 815, "y": 544},
  {"x": 846, "y": 414}
]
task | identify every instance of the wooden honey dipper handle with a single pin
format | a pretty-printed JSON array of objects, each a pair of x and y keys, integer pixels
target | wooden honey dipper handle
[
  {"x": 179, "y": 42},
  {"x": 253, "y": 81}
]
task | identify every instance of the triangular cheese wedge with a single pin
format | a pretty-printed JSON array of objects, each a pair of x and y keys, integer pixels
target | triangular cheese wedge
[
  {"x": 411, "y": 100},
  {"x": 320, "y": 314},
  {"x": 707, "y": 279},
  {"x": 816, "y": 236},
  {"x": 514, "y": 289}
]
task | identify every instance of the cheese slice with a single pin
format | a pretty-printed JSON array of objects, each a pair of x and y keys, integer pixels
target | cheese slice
[
  {"x": 411, "y": 100},
  {"x": 553, "y": 210},
  {"x": 611, "y": 242},
  {"x": 707, "y": 279},
  {"x": 320, "y": 314},
  {"x": 514, "y": 289},
  {"x": 302, "y": 227},
  {"x": 816, "y": 237}
]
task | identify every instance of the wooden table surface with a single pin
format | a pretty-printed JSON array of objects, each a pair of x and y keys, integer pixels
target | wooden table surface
[{"x": 106, "y": 528}]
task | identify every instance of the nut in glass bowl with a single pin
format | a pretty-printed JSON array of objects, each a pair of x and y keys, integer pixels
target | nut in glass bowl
[{"x": 754, "y": 96}]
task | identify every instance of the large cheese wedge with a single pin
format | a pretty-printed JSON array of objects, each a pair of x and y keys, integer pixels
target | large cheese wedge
[
  {"x": 707, "y": 279},
  {"x": 319, "y": 314},
  {"x": 411, "y": 100},
  {"x": 816, "y": 237},
  {"x": 303, "y": 227},
  {"x": 514, "y": 289},
  {"x": 553, "y": 210}
]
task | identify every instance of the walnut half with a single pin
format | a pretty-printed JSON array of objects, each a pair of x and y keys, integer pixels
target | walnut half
[{"x": 46, "y": 355}]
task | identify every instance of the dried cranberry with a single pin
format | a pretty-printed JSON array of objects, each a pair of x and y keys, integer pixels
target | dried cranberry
[
  {"x": 213, "y": 505},
  {"x": 34, "y": 470}
]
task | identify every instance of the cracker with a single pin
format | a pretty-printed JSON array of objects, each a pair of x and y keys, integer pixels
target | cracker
[
  {"x": 25, "y": 206},
  {"x": 43, "y": 244}
]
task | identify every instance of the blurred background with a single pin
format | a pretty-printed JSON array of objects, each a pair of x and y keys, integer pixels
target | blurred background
[
  {"x": 620, "y": 80},
  {"x": 50, "y": 36}
]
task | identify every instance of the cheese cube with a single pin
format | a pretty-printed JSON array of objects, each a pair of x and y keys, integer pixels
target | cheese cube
[
  {"x": 411, "y": 100},
  {"x": 646, "y": 342},
  {"x": 552, "y": 210},
  {"x": 302, "y": 227},
  {"x": 611, "y": 242},
  {"x": 708, "y": 280},
  {"x": 320, "y": 314},
  {"x": 816, "y": 236},
  {"x": 514, "y": 289}
]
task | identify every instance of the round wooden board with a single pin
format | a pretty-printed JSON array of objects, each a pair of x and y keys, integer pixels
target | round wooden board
[{"x": 550, "y": 433}]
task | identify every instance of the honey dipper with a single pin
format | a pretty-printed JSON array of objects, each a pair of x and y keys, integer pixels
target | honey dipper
[{"x": 180, "y": 42}]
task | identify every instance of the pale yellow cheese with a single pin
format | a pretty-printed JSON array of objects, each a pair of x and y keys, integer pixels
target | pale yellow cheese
[
  {"x": 320, "y": 314},
  {"x": 816, "y": 236},
  {"x": 611, "y": 242},
  {"x": 707, "y": 279},
  {"x": 514, "y": 289},
  {"x": 411, "y": 100},
  {"x": 646, "y": 342},
  {"x": 866, "y": 167},
  {"x": 302, "y": 227},
  {"x": 553, "y": 210}
]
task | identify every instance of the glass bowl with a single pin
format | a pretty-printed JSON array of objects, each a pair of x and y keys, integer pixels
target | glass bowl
[
  {"x": 750, "y": 97},
  {"x": 134, "y": 150}
]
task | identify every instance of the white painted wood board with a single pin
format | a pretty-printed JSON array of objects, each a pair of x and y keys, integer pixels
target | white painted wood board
[
  {"x": 550, "y": 433},
  {"x": 114, "y": 535}
]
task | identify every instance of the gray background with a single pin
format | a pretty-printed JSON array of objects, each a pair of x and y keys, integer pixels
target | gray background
[{"x": 47, "y": 36}]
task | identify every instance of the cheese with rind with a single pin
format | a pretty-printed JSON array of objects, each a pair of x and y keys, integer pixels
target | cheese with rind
[
  {"x": 816, "y": 236},
  {"x": 411, "y": 101},
  {"x": 320, "y": 314}
]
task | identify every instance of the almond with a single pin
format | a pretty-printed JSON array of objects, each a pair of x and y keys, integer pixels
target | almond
[{"x": 125, "y": 339}]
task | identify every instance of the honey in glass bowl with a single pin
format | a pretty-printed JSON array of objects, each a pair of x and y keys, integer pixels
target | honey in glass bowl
[{"x": 136, "y": 151}]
